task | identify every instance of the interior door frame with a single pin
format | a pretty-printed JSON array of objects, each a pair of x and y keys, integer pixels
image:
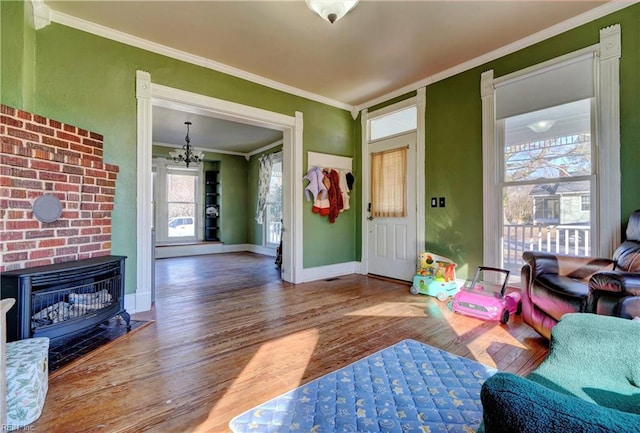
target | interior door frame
[
  {"x": 149, "y": 94},
  {"x": 420, "y": 102}
]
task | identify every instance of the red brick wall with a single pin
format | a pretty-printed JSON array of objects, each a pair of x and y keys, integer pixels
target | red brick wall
[{"x": 43, "y": 156}]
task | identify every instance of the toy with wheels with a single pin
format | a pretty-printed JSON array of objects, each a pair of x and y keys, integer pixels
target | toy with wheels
[
  {"x": 433, "y": 287},
  {"x": 435, "y": 277},
  {"x": 483, "y": 298}
]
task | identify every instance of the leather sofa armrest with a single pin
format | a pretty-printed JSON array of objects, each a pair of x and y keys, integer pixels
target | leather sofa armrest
[
  {"x": 624, "y": 283},
  {"x": 580, "y": 268}
]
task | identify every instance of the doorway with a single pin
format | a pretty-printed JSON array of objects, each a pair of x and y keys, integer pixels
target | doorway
[
  {"x": 149, "y": 95},
  {"x": 385, "y": 246},
  {"x": 391, "y": 221}
]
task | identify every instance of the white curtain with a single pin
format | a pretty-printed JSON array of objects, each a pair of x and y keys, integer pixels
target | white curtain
[
  {"x": 389, "y": 183},
  {"x": 265, "y": 162}
]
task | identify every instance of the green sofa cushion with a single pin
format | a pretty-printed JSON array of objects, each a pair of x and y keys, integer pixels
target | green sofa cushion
[
  {"x": 515, "y": 404},
  {"x": 589, "y": 382}
]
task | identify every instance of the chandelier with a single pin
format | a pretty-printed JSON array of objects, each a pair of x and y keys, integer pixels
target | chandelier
[
  {"x": 187, "y": 154},
  {"x": 331, "y": 10}
]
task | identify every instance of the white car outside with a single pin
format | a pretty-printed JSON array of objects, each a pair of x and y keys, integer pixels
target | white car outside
[{"x": 181, "y": 226}]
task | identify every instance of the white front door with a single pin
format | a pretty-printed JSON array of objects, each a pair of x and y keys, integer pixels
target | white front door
[{"x": 392, "y": 241}]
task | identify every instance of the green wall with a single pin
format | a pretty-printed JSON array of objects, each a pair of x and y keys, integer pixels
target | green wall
[
  {"x": 89, "y": 81},
  {"x": 453, "y": 144},
  {"x": 17, "y": 63}
]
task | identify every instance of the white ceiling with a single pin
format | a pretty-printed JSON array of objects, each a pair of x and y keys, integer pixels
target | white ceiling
[
  {"x": 378, "y": 48},
  {"x": 209, "y": 133}
]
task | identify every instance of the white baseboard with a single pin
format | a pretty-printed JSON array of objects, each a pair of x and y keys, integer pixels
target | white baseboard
[
  {"x": 137, "y": 302},
  {"x": 168, "y": 251},
  {"x": 330, "y": 271},
  {"x": 202, "y": 248}
]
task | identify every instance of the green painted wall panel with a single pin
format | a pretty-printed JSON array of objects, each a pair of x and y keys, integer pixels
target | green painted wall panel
[
  {"x": 453, "y": 170},
  {"x": 17, "y": 64},
  {"x": 234, "y": 200},
  {"x": 89, "y": 81},
  {"x": 453, "y": 142},
  {"x": 323, "y": 239}
]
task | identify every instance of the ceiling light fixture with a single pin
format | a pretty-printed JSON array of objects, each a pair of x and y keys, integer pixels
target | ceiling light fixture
[
  {"x": 541, "y": 125},
  {"x": 331, "y": 11},
  {"x": 188, "y": 155}
]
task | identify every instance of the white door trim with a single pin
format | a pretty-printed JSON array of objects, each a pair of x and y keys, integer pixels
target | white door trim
[
  {"x": 149, "y": 94},
  {"x": 420, "y": 102}
]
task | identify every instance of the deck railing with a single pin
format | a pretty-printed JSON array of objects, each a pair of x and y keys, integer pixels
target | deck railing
[
  {"x": 274, "y": 231},
  {"x": 560, "y": 239}
]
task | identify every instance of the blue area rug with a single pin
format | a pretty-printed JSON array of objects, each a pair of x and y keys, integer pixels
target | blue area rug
[{"x": 407, "y": 387}]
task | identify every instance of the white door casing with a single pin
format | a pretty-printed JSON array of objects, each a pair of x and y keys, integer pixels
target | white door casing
[
  {"x": 418, "y": 180},
  {"x": 149, "y": 94},
  {"x": 392, "y": 240}
]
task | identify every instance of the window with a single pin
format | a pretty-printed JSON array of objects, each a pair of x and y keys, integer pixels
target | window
[
  {"x": 272, "y": 227},
  {"x": 181, "y": 204},
  {"x": 388, "y": 191},
  {"x": 546, "y": 210},
  {"x": 177, "y": 202},
  {"x": 395, "y": 123},
  {"x": 551, "y": 146}
]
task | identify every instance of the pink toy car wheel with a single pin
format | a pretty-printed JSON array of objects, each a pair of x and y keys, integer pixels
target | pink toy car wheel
[{"x": 505, "y": 316}]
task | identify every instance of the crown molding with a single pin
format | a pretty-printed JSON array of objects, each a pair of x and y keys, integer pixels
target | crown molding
[
  {"x": 41, "y": 14},
  {"x": 246, "y": 155},
  {"x": 125, "y": 38},
  {"x": 144, "y": 44}
]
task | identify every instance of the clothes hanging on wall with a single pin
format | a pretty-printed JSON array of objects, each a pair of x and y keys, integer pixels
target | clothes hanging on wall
[
  {"x": 315, "y": 189},
  {"x": 329, "y": 189},
  {"x": 335, "y": 195},
  {"x": 344, "y": 188}
]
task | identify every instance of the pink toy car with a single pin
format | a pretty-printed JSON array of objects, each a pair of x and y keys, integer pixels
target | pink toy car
[{"x": 486, "y": 300}]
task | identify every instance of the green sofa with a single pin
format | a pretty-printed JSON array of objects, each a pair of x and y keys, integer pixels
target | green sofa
[{"x": 589, "y": 382}]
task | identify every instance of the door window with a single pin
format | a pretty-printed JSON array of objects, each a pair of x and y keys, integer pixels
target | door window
[{"x": 389, "y": 183}]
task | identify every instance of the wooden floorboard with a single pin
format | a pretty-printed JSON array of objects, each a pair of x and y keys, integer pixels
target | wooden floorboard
[{"x": 228, "y": 335}]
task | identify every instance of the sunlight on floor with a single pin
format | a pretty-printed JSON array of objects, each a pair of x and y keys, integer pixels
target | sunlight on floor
[
  {"x": 277, "y": 367},
  {"x": 479, "y": 345},
  {"x": 391, "y": 309}
]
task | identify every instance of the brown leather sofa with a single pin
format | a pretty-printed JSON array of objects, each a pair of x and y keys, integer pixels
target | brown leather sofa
[{"x": 554, "y": 284}]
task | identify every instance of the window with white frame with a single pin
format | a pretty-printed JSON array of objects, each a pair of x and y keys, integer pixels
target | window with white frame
[
  {"x": 177, "y": 202},
  {"x": 397, "y": 122},
  {"x": 272, "y": 227},
  {"x": 551, "y": 148}
]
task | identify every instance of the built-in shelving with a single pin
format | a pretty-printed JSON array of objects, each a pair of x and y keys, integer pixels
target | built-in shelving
[{"x": 211, "y": 205}]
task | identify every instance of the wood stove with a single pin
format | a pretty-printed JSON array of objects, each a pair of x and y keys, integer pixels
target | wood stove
[{"x": 60, "y": 300}]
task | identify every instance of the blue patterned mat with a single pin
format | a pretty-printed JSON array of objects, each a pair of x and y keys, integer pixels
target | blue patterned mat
[{"x": 407, "y": 387}]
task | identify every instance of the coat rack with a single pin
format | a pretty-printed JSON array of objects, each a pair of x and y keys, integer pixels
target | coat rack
[{"x": 315, "y": 159}]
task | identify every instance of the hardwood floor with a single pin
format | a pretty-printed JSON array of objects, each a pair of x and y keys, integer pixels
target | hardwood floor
[{"x": 228, "y": 335}]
